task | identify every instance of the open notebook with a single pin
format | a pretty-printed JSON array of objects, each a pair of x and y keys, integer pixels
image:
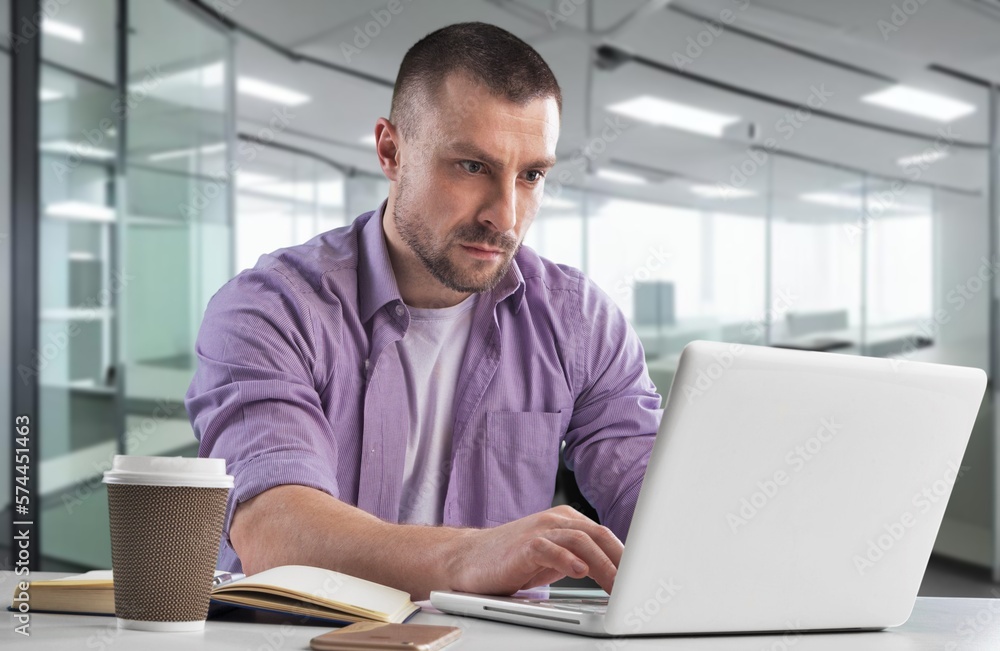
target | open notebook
[{"x": 291, "y": 589}]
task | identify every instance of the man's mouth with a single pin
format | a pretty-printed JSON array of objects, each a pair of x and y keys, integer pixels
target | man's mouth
[
  {"x": 483, "y": 252},
  {"x": 488, "y": 249}
]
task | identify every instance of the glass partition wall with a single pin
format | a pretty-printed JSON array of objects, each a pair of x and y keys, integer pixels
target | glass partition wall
[
  {"x": 135, "y": 236},
  {"x": 826, "y": 262},
  {"x": 817, "y": 242},
  {"x": 147, "y": 221},
  {"x": 176, "y": 232},
  {"x": 78, "y": 283},
  {"x": 839, "y": 252},
  {"x": 829, "y": 257},
  {"x": 284, "y": 198}
]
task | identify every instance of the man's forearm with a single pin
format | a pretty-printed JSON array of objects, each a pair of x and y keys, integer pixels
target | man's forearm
[{"x": 297, "y": 525}]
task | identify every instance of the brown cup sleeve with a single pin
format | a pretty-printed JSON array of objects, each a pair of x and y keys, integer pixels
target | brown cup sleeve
[{"x": 164, "y": 545}]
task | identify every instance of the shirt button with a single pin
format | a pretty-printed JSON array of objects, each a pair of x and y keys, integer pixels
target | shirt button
[{"x": 400, "y": 310}]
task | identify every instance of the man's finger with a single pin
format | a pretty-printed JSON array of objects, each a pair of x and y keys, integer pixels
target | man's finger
[
  {"x": 545, "y": 553},
  {"x": 604, "y": 537},
  {"x": 581, "y": 545},
  {"x": 544, "y": 576}
]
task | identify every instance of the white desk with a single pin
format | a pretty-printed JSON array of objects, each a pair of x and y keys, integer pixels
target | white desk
[{"x": 936, "y": 623}]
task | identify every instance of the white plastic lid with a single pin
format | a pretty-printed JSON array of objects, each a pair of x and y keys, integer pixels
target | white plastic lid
[{"x": 168, "y": 471}]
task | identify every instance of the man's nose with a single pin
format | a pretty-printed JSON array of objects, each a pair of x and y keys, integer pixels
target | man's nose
[{"x": 502, "y": 215}]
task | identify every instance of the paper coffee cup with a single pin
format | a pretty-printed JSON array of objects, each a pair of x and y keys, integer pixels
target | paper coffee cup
[{"x": 166, "y": 521}]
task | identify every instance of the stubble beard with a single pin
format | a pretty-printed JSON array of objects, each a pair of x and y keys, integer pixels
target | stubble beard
[{"x": 413, "y": 230}]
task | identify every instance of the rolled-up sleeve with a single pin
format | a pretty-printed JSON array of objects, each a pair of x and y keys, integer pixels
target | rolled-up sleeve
[
  {"x": 253, "y": 400},
  {"x": 616, "y": 413}
]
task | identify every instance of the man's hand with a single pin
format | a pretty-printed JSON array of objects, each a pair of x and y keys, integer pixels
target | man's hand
[
  {"x": 533, "y": 551},
  {"x": 297, "y": 525}
]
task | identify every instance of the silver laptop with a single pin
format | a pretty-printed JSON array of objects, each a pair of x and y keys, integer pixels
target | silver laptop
[{"x": 787, "y": 491}]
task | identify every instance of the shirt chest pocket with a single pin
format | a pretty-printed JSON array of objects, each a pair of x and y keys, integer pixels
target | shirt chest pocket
[{"x": 522, "y": 457}]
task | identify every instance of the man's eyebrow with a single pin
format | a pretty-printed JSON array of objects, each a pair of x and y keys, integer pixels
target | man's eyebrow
[
  {"x": 548, "y": 161},
  {"x": 474, "y": 152}
]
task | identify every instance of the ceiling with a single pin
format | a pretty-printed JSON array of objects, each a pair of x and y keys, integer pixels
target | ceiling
[
  {"x": 766, "y": 58},
  {"x": 779, "y": 50}
]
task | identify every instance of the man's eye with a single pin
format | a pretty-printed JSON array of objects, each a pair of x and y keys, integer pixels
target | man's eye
[
  {"x": 472, "y": 167},
  {"x": 534, "y": 176}
]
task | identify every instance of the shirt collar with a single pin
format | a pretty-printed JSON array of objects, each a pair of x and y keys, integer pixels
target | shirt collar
[
  {"x": 512, "y": 284},
  {"x": 377, "y": 283}
]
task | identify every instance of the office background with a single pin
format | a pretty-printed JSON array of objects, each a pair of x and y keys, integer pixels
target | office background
[{"x": 807, "y": 174}]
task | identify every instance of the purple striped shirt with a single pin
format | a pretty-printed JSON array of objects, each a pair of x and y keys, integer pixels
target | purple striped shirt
[{"x": 299, "y": 382}]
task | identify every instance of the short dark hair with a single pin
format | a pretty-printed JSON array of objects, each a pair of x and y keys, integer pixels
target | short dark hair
[{"x": 489, "y": 55}]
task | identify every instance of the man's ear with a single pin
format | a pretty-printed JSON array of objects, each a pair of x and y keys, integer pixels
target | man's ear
[{"x": 387, "y": 143}]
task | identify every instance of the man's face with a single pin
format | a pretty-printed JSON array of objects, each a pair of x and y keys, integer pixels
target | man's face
[{"x": 471, "y": 180}]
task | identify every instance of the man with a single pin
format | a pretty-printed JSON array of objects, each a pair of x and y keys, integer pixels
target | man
[{"x": 392, "y": 396}]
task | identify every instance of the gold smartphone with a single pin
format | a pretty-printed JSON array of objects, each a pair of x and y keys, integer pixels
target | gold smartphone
[{"x": 386, "y": 637}]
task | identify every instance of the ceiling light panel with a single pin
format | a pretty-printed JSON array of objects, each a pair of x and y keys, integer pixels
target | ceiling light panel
[
  {"x": 661, "y": 112},
  {"x": 922, "y": 103}
]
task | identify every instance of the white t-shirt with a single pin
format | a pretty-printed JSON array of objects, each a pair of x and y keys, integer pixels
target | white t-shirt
[{"x": 431, "y": 354}]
